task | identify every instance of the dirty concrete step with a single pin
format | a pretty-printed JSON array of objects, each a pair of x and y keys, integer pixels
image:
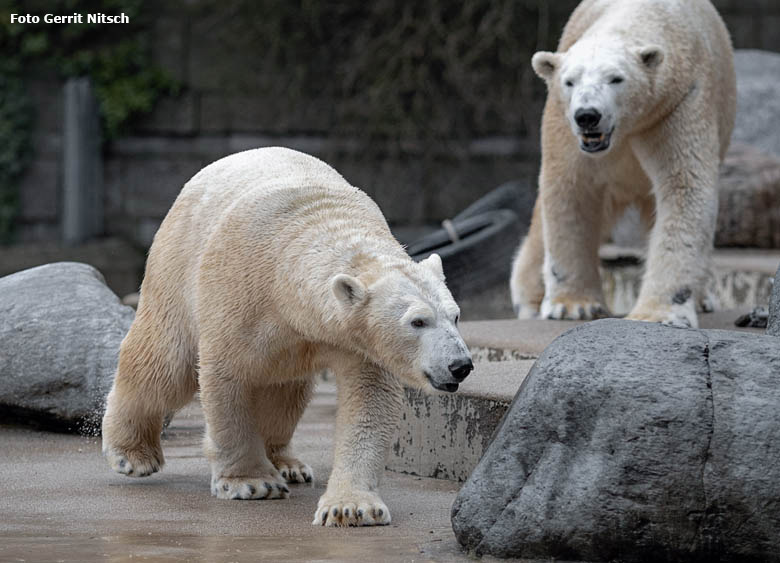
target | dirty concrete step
[
  {"x": 444, "y": 435},
  {"x": 743, "y": 278}
]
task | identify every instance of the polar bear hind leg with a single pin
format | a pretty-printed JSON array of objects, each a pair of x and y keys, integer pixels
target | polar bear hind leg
[
  {"x": 278, "y": 410},
  {"x": 156, "y": 376},
  {"x": 240, "y": 468}
]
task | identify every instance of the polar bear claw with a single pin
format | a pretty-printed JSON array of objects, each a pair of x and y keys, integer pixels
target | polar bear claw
[
  {"x": 134, "y": 464},
  {"x": 351, "y": 509},
  {"x": 573, "y": 309},
  {"x": 293, "y": 470},
  {"x": 249, "y": 488}
]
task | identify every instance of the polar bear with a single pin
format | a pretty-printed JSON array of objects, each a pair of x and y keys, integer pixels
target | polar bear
[
  {"x": 640, "y": 108},
  {"x": 269, "y": 268}
]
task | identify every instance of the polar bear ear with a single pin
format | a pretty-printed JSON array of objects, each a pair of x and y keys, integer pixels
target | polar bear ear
[
  {"x": 545, "y": 63},
  {"x": 433, "y": 262},
  {"x": 651, "y": 56},
  {"x": 349, "y": 290}
]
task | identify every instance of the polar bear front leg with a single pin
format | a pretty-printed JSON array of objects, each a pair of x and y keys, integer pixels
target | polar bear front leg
[
  {"x": 240, "y": 468},
  {"x": 685, "y": 177},
  {"x": 680, "y": 250},
  {"x": 573, "y": 211},
  {"x": 369, "y": 405}
]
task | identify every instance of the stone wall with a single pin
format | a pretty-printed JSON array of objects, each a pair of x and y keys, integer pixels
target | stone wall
[
  {"x": 39, "y": 218},
  {"x": 228, "y": 104}
]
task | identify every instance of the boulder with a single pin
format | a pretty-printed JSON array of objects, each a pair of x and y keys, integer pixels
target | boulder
[
  {"x": 749, "y": 199},
  {"x": 758, "y": 100},
  {"x": 773, "y": 323},
  {"x": 757, "y": 318},
  {"x": 635, "y": 442},
  {"x": 60, "y": 331}
]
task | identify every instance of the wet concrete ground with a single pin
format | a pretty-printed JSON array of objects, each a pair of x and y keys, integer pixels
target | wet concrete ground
[{"x": 61, "y": 502}]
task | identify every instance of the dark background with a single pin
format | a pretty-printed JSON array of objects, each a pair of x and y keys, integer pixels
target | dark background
[{"x": 424, "y": 105}]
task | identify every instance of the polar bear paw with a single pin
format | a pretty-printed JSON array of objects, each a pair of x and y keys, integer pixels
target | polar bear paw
[
  {"x": 135, "y": 463},
  {"x": 293, "y": 470},
  {"x": 525, "y": 311},
  {"x": 354, "y": 508},
  {"x": 572, "y": 308},
  {"x": 678, "y": 316},
  {"x": 248, "y": 488}
]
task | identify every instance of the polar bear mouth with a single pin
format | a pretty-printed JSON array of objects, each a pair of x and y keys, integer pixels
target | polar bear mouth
[
  {"x": 595, "y": 141},
  {"x": 449, "y": 387}
]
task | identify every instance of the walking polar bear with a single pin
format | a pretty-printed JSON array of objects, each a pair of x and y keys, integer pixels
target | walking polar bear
[
  {"x": 268, "y": 268},
  {"x": 640, "y": 108}
]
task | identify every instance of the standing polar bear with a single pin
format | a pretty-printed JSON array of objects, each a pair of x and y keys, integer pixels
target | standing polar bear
[
  {"x": 640, "y": 108},
  {"x": 268, "y": 268}
]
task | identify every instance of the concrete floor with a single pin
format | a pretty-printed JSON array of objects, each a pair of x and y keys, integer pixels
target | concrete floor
[{"x": 61, "y": 502}]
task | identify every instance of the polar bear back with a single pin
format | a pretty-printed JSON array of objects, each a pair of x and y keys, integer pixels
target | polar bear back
[
  {"x": 271, "y": 178},
  {"x": 256, "y": 224},
  {"x": 683, "y": 22},
  {"x": 259, "y": 194}
]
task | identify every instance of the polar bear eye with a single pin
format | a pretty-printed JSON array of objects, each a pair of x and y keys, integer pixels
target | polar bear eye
[
  {"x": 457, "y": 317},
  {"x": 569, "y": 83},
  {"x": 616, "y": 80},
  {"x": 418, "y": 323}
]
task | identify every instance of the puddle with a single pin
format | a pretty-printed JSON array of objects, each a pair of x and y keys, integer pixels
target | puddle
[{"x": 226, "y": 549}]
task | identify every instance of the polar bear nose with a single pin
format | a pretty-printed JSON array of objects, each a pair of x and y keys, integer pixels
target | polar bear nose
[
  {"x": 587, "y": 118},
  {"x": 461, "y": 368}
]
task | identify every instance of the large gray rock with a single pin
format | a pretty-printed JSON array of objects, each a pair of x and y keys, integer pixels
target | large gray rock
[
  {"x": 758, "y": 100},
  {"x": 749, "y": 199},
  {"x": 60, "y": 331},
  {"x": 773, "y": 323},
  {"x": 635, "y": 442}
]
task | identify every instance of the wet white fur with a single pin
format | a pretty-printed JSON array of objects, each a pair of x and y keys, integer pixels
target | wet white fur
[
  {"x": 270, "y": 268},
  {"x": 672, "y": 116}
]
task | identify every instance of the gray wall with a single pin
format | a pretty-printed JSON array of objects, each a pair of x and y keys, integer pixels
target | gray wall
[{"x": 226, "y": 107}]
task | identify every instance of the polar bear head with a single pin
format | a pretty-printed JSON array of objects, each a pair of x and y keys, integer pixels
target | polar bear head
[
  {"x": 405, "y": 320},
  {"x": 603, "y": 86}
]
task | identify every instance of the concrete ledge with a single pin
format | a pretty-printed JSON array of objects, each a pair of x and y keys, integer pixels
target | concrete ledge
[
  {"x": 509, "y": 336},
  {"x": 743, "y": 278},
  {"x": 444, "y": 435}
]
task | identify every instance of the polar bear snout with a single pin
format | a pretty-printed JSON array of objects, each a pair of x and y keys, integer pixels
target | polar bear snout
[
  {"x": 461, "y": 368},
  {"x": 593, "y": 128},
  {"x": 587, "y": 118},
  {"x": 450, "y": 373}
]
